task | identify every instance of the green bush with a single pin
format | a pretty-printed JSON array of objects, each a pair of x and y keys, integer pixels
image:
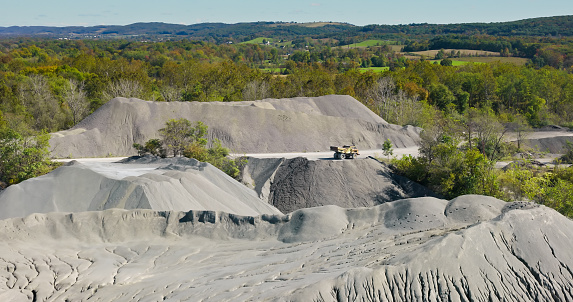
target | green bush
[
  {"x": 217, "y": 156},
  {"x": 180, "y": 137},
  {"x": 550, "y": 187},
  {"x": 23, "y": 157},
  {"x": 153, "y": 146},
  {"x": 568, "y": 156},
  {"x": 448, "y": 170}
]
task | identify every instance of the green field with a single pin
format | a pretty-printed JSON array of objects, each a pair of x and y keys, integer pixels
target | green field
[
  {"x": 375, "y": 69},
  {"x": 371, "y": 43},
  {"x": 514, "y": 60},
  {"x": 454, "y": 62},
  {"x": 271, "y": 70},
  {"x": 258, "y": 40},
  {"x": 482, "y": 60}
]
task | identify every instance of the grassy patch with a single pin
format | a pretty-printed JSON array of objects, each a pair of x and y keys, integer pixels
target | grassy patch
[
  {"x": 397, "y": 48},
  {"x": 375, "y": 69},
  {"x": 463, "y": 52},
  {"x": 258, "y": 40},
  {"x": 474, "y": 56},
  {"x": 484, "y": 60},
  {"x": 371, "y": 43},
  {"x": 514, "y": 60},
  {"x": 271, "y": 70},
  {"x": 454, "y": 63},
  {"x": 284, "y": 43}
]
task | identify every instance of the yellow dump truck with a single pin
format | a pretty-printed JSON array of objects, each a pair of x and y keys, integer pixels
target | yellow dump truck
[{"x": 346, "y": 151}]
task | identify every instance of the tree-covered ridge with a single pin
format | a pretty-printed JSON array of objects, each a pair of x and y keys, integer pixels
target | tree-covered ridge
[
  {"x": 220, "y": 32},
  {"x": 545, "y": 26}
]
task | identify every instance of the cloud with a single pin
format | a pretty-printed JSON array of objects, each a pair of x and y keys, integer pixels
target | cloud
[
  {"x": 315, "y": 4},
  {"x": 89, "y": 15}
]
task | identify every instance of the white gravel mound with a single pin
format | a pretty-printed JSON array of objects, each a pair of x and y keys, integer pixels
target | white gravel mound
[
  {"x": 172, "y": 184},
  {"x": 472, "y": 248},
  {"x": 285, "y": 125}
]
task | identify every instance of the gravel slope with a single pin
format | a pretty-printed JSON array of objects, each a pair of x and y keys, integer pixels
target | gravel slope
[
  {"x": 286, "y": 125},
  {"x": 177, "y": 184},
  {"x": 473, "y": 248},
  {"x": 292, "y": 184}
]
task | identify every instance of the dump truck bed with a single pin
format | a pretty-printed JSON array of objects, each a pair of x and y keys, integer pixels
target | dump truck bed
[{"x": 346, "y": 151}]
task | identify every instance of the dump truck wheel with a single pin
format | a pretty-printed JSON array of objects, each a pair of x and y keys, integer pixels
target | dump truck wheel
[
  {"x": 336, "y": 155},
  {"x": 342, "y": 155}
]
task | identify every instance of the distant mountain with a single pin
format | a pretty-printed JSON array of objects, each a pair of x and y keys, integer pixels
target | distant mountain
[{"x": 219, "y": 32}]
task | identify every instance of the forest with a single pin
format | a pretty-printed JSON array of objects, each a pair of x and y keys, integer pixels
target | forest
[{"x": 48, "y": 85}]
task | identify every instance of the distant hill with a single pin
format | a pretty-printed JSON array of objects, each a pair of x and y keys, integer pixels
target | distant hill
[
  {"x": 217, "y": 31},
  {"x": 220, "y": 32}
]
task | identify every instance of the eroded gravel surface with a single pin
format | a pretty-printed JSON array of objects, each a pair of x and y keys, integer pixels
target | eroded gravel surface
[{"x": 473, "y": 248}]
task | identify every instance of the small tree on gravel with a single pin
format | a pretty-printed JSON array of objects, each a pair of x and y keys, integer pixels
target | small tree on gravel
[
  {"x": 387, "y": 148},
  {"x": 179, "y": 134},
  {"x": 181, "y": 137},
  {"x": 153, "y": 146}
]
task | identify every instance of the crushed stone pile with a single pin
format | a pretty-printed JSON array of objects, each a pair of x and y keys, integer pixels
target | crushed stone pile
[
  {"x": 178, "y": 184},
  {"x": 292, "y": 184},
  {"x": 557, "y": 144},
  {"x": 472, "y": 248},
  {"x": 272, "y": 125}
]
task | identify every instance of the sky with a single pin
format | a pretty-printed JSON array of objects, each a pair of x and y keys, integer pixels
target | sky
[{"x": 357, "y": 12}]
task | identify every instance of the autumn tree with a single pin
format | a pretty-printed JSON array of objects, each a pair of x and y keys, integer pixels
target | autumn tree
[
  {"x": 171, "y": 93},
  {"x": 123, "y": 88},
  {"x": 484, "y": 132},
  {"x": 35, "y": 93},
  {"x": 256, "y": 90},
  {"x": 76, "y": 99},
  {"x": 179, "y": 134}
]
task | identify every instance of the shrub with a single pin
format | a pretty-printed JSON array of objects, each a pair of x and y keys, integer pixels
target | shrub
[
  {"x": 23, "y": 157},
  {"x": 180, "y": 137},
  {"x": 568, "y": 156},
  {"x": 153, "y": 146}
]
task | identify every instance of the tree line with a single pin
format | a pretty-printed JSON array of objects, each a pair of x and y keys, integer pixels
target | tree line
[
  {"x": 542, "y": 51},
  {"x": 54, "y": 85}
]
